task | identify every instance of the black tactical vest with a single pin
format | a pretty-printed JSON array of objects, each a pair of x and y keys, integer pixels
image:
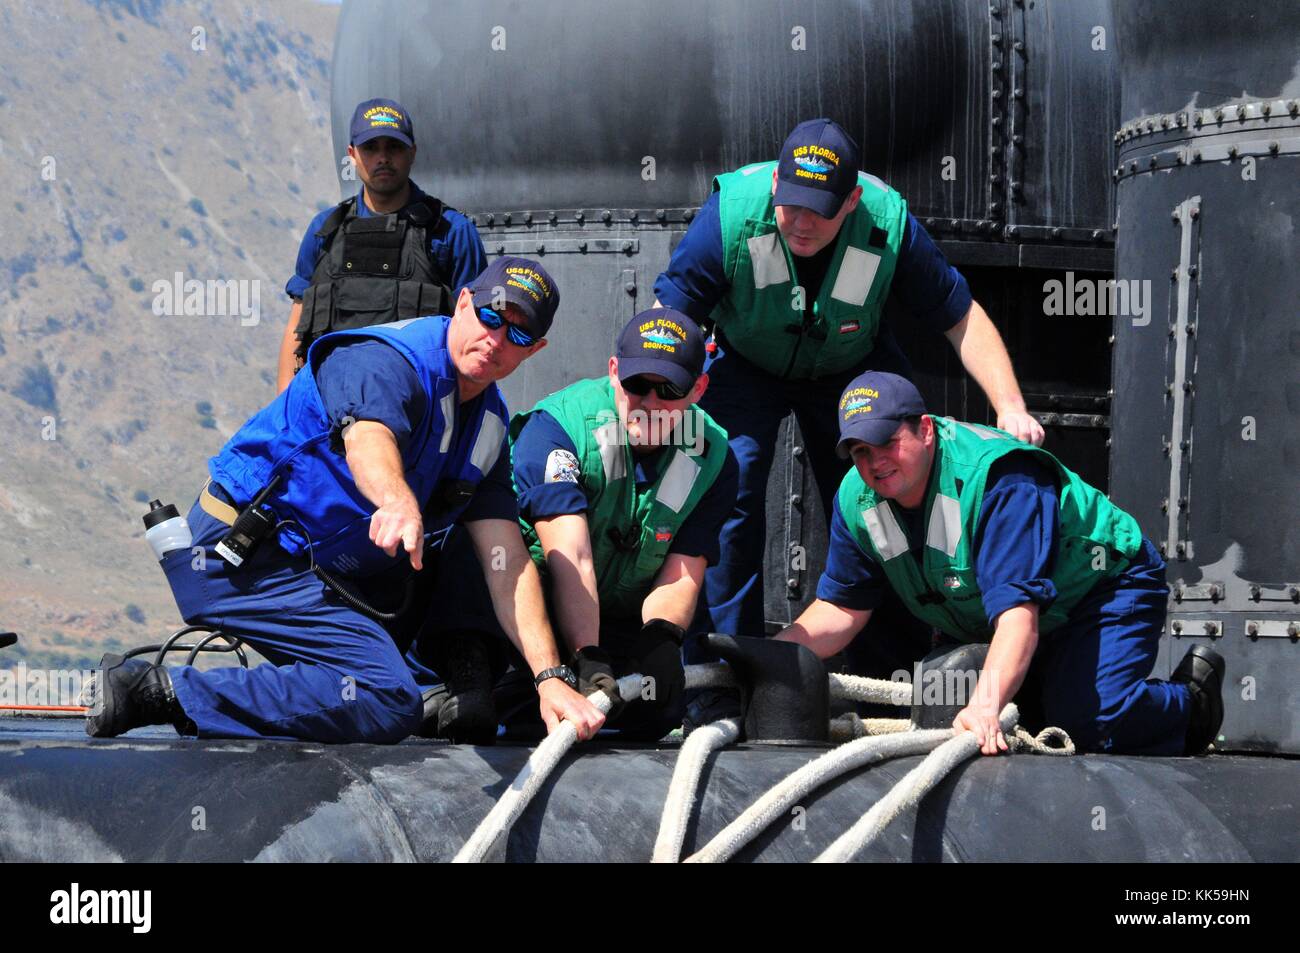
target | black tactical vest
[{"x": 374, "y": 270}]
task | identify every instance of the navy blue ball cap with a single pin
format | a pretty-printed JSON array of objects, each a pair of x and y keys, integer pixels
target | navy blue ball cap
[
  {"x": 873, "y": 407},
  {"x": 523, "y": 283},
  {"x": 381, "y": 117},
  {"x": 818, "y": 167},
  {"x": 665, "y": 342}
]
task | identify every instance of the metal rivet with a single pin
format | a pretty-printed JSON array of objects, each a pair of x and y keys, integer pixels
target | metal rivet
[
  {"x": 506, "y": 218},
  {"x": 996, "y": 38},
  {"x": 1176, "y": 217},
  {"x": 1294, "y": 593},
  {"x": 1256, "y": 592},
  {"x": 792, "y": 583},
  {"x": 1211, "y": 628},
  {"x": 551, "y": 217},
  {"x": 1181, "y": 549},
  {"x": 1232, "y": 152},
  {"x": 1018, "y": 45},
  {"x": 385, "y": 266},
  {"x": 489, "y": 218},
  {"x": 1252, "y": 630},
  {"x": 995, "y": 121},
  {"x": 1196, "y": 212},
  {"x": 541, "y": 248},
  {"x": 688, "y": 215},
  {"x": 1096, "y": 234},
  {"x": 660, "y": 214},
  {"x": 1266, "y": 109},
  {"x": 579, "y": 217},
  {"x": 528, "y": 218},
  {"x": 929, "y": 223},
  {"x": 1177, "y": 627},
  {"x": 1218, "y": 115},
  {"x": 501, "y": 249},
  {"x": 1273, "y": 147},
  {"x": 606, "y": 215},
  {"x": 635, "y": 216},
  {"x": 1056, "y": 233},
  {"x": 627, "y": 247},
  {"x": 797, "y": 451},
  {"x": 795, "y": 499},
  {"x": 1018, "y": 93},
  {"x": 582, "y": 247},
  {"x": 1196, "y": 155},
  {"x": 997, "y": 94},
  {"x": 1192, "y": 270}
]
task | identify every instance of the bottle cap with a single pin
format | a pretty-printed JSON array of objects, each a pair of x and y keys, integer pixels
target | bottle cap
[{"x": 159, "y": 514}]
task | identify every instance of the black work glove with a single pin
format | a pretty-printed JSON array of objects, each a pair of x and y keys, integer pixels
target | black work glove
[
  {"x": 662, "y": 628},
  {"x": 595, "y": 671}
]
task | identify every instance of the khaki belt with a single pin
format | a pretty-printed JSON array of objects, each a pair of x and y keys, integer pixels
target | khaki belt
[{"x": 216, "y": 508}]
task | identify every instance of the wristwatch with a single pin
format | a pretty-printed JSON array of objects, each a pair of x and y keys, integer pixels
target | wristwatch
[{"x": 562, "y": 672}]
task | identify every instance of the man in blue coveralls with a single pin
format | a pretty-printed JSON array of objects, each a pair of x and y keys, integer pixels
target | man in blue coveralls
[
  {"x": 624, "y": 484},
  {"x": 389, "y": 253},
  {"x": 991, "y": 540},
  {"x": 396, "y": 433},
  {"x": 792, "y": 262}
]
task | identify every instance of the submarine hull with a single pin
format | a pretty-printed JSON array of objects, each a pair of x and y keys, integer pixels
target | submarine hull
[{"x": 153, "y": 799}]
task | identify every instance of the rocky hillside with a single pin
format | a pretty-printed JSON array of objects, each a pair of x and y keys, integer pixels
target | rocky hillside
[{"x": 139, "y": 139}]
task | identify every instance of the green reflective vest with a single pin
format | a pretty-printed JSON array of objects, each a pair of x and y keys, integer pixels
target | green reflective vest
[
  {"x": 762, "y": 315},
  {"x": 1096, "y": 541},
  {"x": 631, "y": 530}
]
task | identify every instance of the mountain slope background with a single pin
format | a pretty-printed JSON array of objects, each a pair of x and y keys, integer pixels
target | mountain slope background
[{"x": 138, "y": 139}]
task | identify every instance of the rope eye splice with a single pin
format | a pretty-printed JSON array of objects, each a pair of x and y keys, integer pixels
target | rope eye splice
[{"x": 872, "y": 741}]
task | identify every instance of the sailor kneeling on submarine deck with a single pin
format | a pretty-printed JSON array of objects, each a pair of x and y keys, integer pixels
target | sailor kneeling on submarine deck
[
  {"x": 393, "y": 434},
  {"x": 624, "y": 484},
  {"x": 989, "y": 539}
]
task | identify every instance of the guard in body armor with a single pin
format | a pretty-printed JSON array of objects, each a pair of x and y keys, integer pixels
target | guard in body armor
[
  {"x": 792, "y": 261},
  {"x": 390, "y": 253},
  {"x": 390, "y": 436},
  {"x": 624, "y": 484},
  {"x": 991, "y": 540}
]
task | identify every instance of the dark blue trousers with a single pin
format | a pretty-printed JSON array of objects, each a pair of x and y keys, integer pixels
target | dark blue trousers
[
  {"x": 750, "y": 404},
  {"x": 336, "y": 676},
  {"x": 1093, "y": 674}
]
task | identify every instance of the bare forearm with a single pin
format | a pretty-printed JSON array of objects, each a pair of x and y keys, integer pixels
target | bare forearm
[
  {"x": 825, "y": 627},
  {"x": 376, "y": 464},
  {"x": 576, "y": 602},
  {"x": 516, "y": 590},
  {"x": 676, "y": 591},
  {"x": 287, "y": 365},
  {"x": 1015, "y": 638},
  {"x": 984, "y": 355}
]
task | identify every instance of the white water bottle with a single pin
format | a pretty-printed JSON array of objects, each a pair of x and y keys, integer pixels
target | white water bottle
[{"x": 165, "y": 529}]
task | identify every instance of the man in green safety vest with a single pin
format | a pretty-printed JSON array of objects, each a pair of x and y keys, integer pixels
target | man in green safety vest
[
  {"x": 624, "y": 484},
  {"x": 989, "y": 539},
  {"x": 792, "y": 262}
]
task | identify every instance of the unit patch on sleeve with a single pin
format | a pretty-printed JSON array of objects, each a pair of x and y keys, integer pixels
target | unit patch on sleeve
[{"x": 562, "y": 467}]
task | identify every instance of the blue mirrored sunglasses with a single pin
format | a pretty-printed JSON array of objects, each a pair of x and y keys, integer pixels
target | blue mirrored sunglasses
[{"x": 514, "y": 333}]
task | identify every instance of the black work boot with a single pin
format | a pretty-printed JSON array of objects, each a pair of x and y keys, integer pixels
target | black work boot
[
  {"x": 1202, "y": 670},
  {"x": 131, "y": 693},
  {"x": 461, "y": 709}
]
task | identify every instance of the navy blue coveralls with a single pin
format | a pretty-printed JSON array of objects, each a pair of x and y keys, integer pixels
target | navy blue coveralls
[{"x": 336, "y": 675}]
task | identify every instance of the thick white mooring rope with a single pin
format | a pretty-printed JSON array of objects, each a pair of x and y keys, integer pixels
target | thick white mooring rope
[
  {"x": 488, "y": 839},
  {"x": 875, "y": 740},
  {"x": 788, "y": 792},
  {"x": 909, "y": 790},
  {"x": 702, "y": 742}
]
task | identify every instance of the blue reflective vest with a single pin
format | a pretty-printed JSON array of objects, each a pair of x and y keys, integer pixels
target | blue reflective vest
[{"x": 291, "y": 437}]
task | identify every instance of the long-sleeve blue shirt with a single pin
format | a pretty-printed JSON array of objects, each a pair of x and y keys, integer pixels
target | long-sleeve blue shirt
[
  {"x": 547, "y": 488},
  {"x": 458, "y": 253},
  {"x": 695, "y": 280}
]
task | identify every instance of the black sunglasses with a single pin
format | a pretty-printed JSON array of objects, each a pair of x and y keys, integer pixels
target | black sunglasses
[
  {"x": 514, "y": 333},
  {"x": 640, "y": 386}
]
